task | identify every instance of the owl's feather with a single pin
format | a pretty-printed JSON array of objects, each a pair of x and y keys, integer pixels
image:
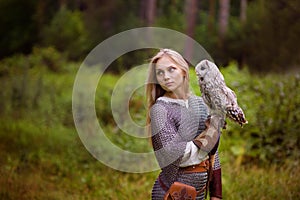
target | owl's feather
[{"x": 219, "y": 98}]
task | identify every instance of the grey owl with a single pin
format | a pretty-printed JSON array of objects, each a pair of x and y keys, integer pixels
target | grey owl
[{"x": 220, "y": 99}]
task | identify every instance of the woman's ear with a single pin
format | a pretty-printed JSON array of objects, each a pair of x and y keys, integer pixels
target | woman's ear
[{"x": 183, "y": 73}]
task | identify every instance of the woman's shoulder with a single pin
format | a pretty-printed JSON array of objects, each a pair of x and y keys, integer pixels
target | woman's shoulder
[
  {"x": 157, "y": 107},
  {"x": 167, "y": 106},
  {"x": 197, "y": 103},
  {"x": 197, "y": 99}
]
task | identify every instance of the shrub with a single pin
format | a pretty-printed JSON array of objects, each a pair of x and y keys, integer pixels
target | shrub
[
  {"x": 271, "y": 104},
  {"x": 48, "y": 57}
]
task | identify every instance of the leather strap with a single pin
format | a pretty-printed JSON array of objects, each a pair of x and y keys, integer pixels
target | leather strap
[
  {"x": 202, "y": 167},
  {"x": 161, "y": 183}
]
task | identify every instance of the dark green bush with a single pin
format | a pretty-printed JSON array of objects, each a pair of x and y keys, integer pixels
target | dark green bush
[{"x": 271, "y": 103}]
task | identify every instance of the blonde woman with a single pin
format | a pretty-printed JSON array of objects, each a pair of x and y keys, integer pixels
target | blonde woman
[{"x": 176, "y": 118}]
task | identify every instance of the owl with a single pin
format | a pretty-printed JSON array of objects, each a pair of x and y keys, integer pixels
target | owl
[{"x": 220, "y": 99}]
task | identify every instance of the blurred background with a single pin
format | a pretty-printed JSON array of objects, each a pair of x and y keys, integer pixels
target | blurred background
[{"x": 43, "y": 43}]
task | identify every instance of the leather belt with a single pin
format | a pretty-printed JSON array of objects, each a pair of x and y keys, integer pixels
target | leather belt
[{"x": 202, "y": 167}]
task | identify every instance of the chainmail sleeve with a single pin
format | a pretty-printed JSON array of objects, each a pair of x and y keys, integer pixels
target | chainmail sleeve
[{"x": 167, "y": 142}]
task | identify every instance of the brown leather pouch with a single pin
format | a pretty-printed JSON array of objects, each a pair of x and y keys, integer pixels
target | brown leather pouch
[{"x": 181, "y": 191}]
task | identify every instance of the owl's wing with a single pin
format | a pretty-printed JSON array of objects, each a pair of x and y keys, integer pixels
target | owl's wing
[
  {"x": 230, "y": 96},
  {"x": 234, "y": 112},
  {"x": 207, "y": 98}
]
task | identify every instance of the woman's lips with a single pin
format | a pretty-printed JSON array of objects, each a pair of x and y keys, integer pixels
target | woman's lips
[{"x": 169, "y": 84}]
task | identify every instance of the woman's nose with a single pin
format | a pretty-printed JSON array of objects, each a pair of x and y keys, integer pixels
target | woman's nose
[{"x": 166, "y": 77}]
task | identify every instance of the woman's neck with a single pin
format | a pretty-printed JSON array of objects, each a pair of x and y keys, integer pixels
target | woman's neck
[{"x": 172, "y": 95}]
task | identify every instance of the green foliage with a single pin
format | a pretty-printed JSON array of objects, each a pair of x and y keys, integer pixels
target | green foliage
[
  {"x": 30, "y": 87},
  {"x": 277, "y": 118},
  {"x": 40, "y": 59},
  {"x": 167, "y": 12},
  {"x": 130, "y": 60},
  {"x": 47, "y": 57},
  {"x": 103, "y": 99},
  {"x": 120, "y": 115},
  {"x": 271, "y": 104},
  {"x": 202, "y": 33},
  {"x": 67, "y": 33}
]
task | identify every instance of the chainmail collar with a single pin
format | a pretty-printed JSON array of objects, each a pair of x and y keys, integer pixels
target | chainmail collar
[{"x": 182, "y": 102}]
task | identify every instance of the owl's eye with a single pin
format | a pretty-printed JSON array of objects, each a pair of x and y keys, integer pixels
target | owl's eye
[{"x": 202, "y": 68}]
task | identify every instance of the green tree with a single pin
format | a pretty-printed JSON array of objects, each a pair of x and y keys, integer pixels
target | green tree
[{"x": 67, "y": 33}]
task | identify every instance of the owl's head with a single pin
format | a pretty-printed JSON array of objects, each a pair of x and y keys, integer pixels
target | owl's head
[{"x": 207, "y": 70}]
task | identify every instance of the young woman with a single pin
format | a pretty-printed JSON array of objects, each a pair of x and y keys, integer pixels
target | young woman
[{"x": 176, "y": 118}]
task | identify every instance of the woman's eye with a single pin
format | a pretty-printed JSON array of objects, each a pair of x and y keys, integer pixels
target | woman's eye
[
  {"x": 171, "y": 69},
  {"x": 159, "y": 73}
]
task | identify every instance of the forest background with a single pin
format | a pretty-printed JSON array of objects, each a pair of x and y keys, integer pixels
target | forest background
[{"x": 43, "y": 43}]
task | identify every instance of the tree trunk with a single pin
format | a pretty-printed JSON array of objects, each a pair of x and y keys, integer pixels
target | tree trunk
[
  {"x": 150, "y": 12},
  {"x": 147, "y": 15},
  {"x": 191, "y": 15},
  {"x": 147, "y": 11},
  {"x": 243, "y": 11},
  {"x": 223, "y": 17},
  {"x": 211, "y": 16}
]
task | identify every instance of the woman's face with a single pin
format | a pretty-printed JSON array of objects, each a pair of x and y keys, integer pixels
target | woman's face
[{"x": 170, "y": 76}]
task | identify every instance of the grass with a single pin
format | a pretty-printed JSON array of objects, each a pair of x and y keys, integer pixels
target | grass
[
  {"x": 268, "y": 182},
  {"x": 53, "y": 164},
  {"x": 48, "y": 164}
]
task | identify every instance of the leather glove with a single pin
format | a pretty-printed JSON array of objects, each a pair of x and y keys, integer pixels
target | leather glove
[{"x": 208, "y": 139}]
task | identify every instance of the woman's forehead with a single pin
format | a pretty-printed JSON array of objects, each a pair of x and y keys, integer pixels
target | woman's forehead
[{"x": 165, "y": 61}]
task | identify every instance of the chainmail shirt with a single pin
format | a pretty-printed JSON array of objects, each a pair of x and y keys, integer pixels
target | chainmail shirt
[{"x": 173, "y": 125}]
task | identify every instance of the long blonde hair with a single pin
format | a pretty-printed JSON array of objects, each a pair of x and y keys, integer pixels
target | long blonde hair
[{"x": 153, "y": 89}]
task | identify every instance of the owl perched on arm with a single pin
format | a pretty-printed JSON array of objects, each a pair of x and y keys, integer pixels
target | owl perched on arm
[{"x": 220, "y": 99}]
